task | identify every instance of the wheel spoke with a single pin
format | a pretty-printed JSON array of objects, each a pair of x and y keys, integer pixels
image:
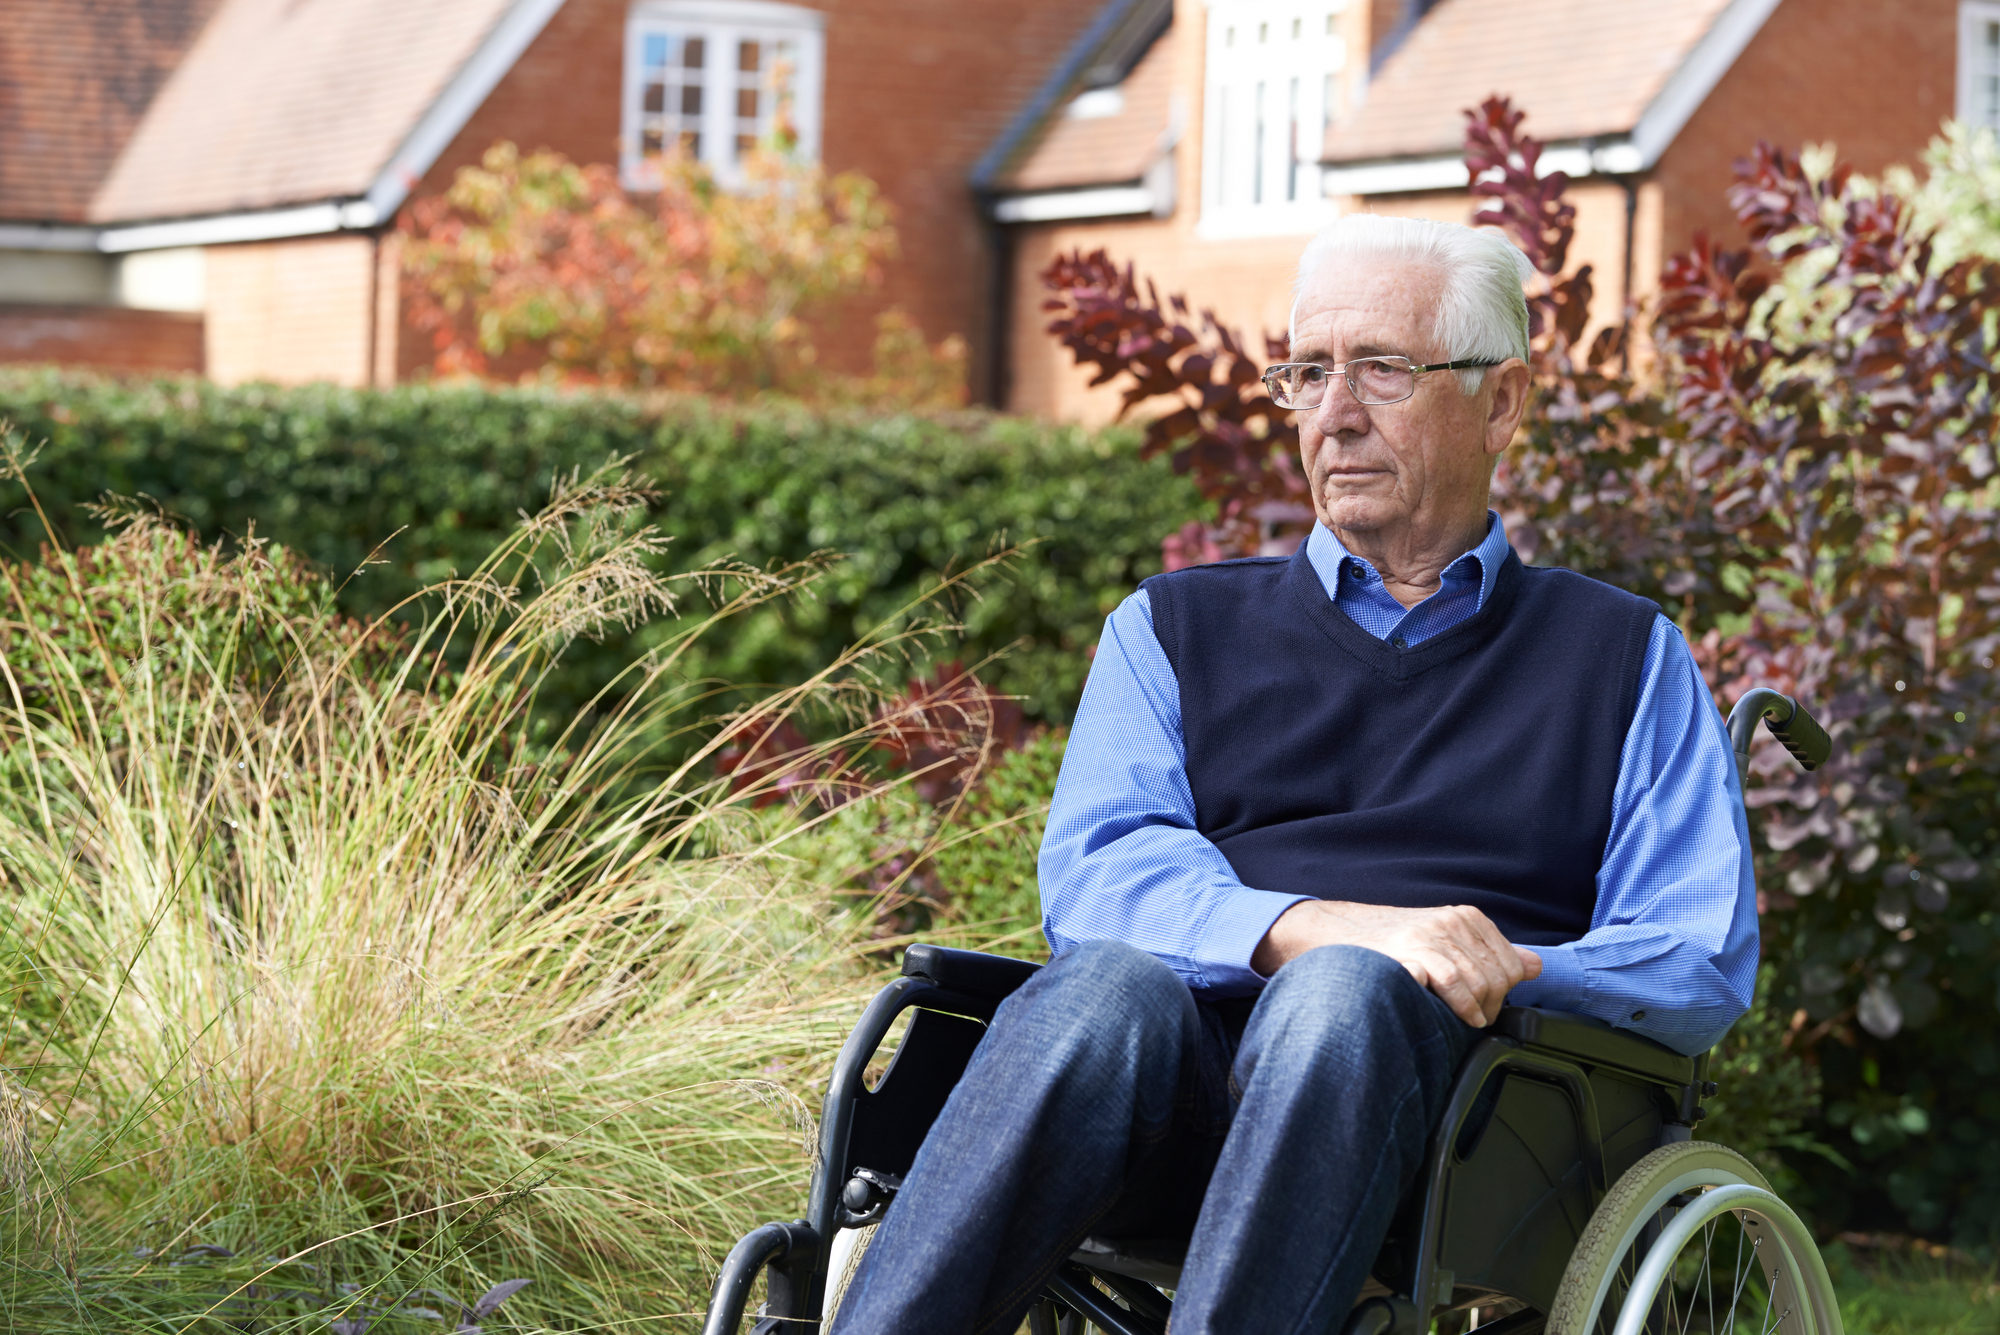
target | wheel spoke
[
  {"x": 1743, "y": 1274},
  {"x": 1708, "y": 1270}
]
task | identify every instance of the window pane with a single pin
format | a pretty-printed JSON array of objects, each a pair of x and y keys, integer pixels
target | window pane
[
  {"x": 1257, "y": 153},
  {"x": 1292, "y": 146},
  {"x": 717, "y": 91},
  {"x": 1988, "y": 107},
  {"x": 667, "y": 103}
]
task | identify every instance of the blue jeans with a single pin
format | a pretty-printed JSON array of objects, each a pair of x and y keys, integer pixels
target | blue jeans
[{"x": 1107, "y": 1100}]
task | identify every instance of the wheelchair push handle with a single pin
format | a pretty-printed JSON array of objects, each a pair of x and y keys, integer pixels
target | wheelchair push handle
[{"x": 1787, "y": 720}]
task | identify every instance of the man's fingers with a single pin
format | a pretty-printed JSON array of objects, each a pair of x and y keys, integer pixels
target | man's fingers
[
  {"x": 1531, "y": 963},
  {"x": 1454, "y": 986}
]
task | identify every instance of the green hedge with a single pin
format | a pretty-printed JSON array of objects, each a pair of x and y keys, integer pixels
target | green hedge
[{"x": 332, "y": 472}]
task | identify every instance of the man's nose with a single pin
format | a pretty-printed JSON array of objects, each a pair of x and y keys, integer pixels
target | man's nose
[{"x": 1340, "y": 410}]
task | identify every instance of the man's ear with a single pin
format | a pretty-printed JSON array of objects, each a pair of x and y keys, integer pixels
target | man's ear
[{"x": 1511, "y": 387}]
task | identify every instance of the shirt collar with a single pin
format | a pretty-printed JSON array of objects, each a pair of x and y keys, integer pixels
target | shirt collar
[{"x": 1329, "y": 558}]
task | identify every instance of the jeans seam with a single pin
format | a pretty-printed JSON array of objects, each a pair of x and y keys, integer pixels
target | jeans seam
[{"x": 1374, "y": 1174}]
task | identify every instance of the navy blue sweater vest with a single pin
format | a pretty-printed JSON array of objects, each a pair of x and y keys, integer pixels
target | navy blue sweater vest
[{"x": 1476, "y": 767}]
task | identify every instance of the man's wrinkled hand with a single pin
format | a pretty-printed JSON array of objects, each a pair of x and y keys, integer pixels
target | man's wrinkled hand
[{"x": 1456, "y": 951}]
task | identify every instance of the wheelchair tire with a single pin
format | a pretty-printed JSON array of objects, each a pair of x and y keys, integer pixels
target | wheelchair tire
[
  {"x": 843, "y": 1260},
  {"x": 1688, "y": 1227}
]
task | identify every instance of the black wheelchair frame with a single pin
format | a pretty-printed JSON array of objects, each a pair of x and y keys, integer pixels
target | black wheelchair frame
[{"x": 1547, "y": 1111}]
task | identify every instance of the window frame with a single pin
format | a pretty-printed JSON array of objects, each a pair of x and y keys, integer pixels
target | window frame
[
  {"x": 1260, "y": 174},
  {"x": 720, "y": 23},
  {"x": 1973, "y": 15}
]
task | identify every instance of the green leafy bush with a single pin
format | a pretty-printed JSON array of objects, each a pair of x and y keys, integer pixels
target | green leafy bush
[{"x": 393, "y": 490}]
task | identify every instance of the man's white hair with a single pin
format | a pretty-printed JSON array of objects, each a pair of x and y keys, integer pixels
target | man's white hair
[{"x": 1482, "y": 313}]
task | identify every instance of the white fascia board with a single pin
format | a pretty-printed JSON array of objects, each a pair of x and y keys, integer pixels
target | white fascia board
[
  {"x": 224, "y": 229},
  {"x": 1689, "y": 85},
  {"x": 773, "y": 13},
  {"x": 445, "y": 117},
  {"x": 46, "y": 236},
  {"x": 1061, "y": 205},
  {"x": 1446, "y": 171}
]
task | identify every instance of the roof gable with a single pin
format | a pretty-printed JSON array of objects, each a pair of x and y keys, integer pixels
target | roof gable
[
  {"x": 1582, "y": 69},
  {"x": 282, "y": 102}
]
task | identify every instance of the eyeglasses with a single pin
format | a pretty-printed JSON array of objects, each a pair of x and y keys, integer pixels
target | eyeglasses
[{"x": 1371, "y": 380}]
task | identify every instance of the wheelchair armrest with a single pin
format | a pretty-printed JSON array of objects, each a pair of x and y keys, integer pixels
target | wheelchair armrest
[
  {"x": 1582, "y": 1038},
  {"x": 989, "y": 977}
]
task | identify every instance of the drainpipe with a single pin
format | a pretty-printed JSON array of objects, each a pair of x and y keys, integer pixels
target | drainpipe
[
  {"x": 374, "y": 307},
  {"x": 999, "y": 303},
  {"x": 1631, "y": 185}
]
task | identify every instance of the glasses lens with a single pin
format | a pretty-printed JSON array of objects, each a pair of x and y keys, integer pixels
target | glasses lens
[
  {"x": 1296, "y": 385},
  {"x": 1381, "y": 379}
]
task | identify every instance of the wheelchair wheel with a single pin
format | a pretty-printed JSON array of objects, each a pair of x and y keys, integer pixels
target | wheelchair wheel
[{"x": 1692, "y": 1239}]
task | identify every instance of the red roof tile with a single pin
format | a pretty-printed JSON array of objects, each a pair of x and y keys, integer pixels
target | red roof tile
[
  {"x": 1577, "y": 67},
  {"x": 76, "y": 76},
  {"x": 290, "y": 101},
  {"x": 1104, "y": 150}
]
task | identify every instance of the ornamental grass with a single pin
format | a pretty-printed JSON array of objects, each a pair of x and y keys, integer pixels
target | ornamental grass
[{"x": 342, "y": 986}]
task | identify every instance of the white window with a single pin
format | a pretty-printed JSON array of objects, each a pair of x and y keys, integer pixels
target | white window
[
  {"x": 1979, "y": 63},
  {"x": 1273, "y": 76},
  {"x": 716, "y": 78}
]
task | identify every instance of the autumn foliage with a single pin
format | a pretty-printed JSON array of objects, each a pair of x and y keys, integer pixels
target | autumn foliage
[
  {"x": 531, "y": 262},
  {"x": 1801, "y": 470},
  {"x": 1207, "y": 409}
]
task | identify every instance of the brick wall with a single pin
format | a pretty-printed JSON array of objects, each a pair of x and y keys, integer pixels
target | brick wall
[
  {"x": 916, "y": 90},
  {"x": 110, "y": 338},
  {"x": 292, "y": 311},
  {"x": 1873, "y": 77}
]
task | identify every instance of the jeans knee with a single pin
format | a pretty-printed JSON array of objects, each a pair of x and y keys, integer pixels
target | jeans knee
[
  {"x": 1101, "y": 992},
  {"x": 1339, "y": 988}
]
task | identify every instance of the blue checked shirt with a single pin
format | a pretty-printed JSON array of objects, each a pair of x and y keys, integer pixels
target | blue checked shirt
[{"x": 1672, "y": 946}]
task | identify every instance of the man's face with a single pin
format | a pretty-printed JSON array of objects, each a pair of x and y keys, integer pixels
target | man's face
[{"x": 1422, "y": 465}]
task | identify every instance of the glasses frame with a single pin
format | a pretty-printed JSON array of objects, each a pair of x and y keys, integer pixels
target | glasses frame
[{"x": 1345, "y": 370}]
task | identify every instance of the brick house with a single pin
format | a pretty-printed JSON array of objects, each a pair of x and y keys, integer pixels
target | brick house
[
  {"x": 212, "y": 185},
  {"x": 1208, "y": 158}
]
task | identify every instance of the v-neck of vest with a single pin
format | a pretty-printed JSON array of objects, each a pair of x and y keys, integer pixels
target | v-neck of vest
[{"x": 1402, "y": 664}]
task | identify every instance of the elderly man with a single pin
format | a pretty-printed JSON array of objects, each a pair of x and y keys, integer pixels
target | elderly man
[{"x": 1319, "y": 818}]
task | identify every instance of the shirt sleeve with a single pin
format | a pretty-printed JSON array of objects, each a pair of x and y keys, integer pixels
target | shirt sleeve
[
  {"x": 1672, "y": 947},
  {"x": 1122, "y": 858}
]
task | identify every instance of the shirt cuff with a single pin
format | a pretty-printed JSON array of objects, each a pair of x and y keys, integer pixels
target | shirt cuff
[
  {"x": 1562, "y": 984},
  {"x": 1231, "y": 935}
]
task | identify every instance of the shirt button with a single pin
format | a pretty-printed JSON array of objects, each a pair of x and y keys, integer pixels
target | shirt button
[
  {"x": 1356, "y": 569},
  {"x": 1399, "y": 642},
  {"x": 1638, "y": 1015}
]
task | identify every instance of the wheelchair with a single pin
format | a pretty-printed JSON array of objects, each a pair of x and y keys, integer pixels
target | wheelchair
[{"x": 1562, "y": 1194}]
